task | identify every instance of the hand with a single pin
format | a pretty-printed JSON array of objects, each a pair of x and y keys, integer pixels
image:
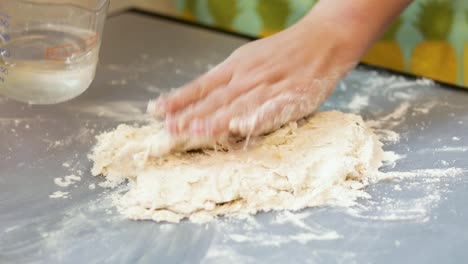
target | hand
[
  {"x": 283, "y": 78},
  {"x": 260, "y": 87},
  {"x": 269, "y": 82}
]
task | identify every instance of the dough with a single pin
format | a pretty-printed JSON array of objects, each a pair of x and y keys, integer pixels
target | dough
[{"x": 325, "y": 159}]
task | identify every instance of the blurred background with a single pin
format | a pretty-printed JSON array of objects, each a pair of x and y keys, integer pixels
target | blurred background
[{"x": 429, "y": 39}]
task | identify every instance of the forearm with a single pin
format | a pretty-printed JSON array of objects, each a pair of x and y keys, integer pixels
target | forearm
[{"x": 356, "y": 24}]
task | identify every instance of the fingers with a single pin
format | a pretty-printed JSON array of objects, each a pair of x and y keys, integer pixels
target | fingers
[
  {"x": 272, "y": 115},
  {"x": 192, "y": 92},
  {"x": 217, "y": 123},
  {"x": 258, "y": 111},
  {"x": 233, "y": 98},
  {"x": 247, "y": 113},
  {"x": 260, "y": 120},
  {"x": 180, "y": 122}
]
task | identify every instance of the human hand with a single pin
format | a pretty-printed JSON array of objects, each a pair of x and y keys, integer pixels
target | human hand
[{"x": 262, "y": 85}]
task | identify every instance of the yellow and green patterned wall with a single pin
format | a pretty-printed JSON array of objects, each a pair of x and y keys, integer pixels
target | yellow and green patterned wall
[{"x": 429, "y": 39}]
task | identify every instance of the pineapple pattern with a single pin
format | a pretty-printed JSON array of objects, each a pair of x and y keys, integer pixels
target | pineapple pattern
[
  {"x": 465, "y": 49},
  {"x": 387, "y": 52},
  {"x": 429, "y": 39},
  {"x": 223, "y": 12},
  {"x": 274, "y": 14},
  {"x": 435, "y": 57}
]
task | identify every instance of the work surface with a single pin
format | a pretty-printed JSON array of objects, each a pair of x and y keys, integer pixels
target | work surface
[{"x": 421, "y": 219}]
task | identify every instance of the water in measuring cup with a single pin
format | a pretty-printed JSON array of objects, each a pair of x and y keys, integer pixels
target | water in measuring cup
[{"x": 48, "y": 64}]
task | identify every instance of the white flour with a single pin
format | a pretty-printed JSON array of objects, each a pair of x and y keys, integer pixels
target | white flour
[
  {"x": 59, "y": 194},
  {"x": 439, "y": 173},
  {"x": 116, "y": 110},
  {"x": 295, "y": 167},
  {"x": 384, "y": 126},
  {"x": 67, "y": 180},
  {"x": 405, "y": 197},
  {"x": 359, "y": 102}
]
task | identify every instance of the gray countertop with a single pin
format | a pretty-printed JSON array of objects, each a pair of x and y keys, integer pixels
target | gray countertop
[{"x": 418, "y": 219}]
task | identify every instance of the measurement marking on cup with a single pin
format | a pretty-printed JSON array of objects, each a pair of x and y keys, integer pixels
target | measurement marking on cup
[
  {"x": 5, "y": 37},
  {"x": 4, "y": 53},
  {"x": 63, "y": 52},
  {"x": 3, "y": 70},
  {"x": 4, "y": 23},
  {"x": 52, "y": 57}
]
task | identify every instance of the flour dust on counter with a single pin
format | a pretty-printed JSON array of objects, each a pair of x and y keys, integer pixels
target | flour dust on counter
[
  {"x": 325, "y": 159},
  {"x": 133, "y": 153},
  {"x": 67, "y": 180},
  {"x": 59, "y": 194},
  {"x": 409, "y": 119}
]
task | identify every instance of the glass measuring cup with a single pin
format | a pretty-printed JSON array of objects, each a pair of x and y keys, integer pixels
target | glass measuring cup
[{"x": 49, "y": 48}]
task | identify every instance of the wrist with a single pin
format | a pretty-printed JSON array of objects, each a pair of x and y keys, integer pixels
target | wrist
[
  {"x": 347, "y": 34},
  {"x": 332, "y": 48}
]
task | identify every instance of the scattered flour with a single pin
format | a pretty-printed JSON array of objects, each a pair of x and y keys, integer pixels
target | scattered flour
[
  {"x": 445, "y": 149},
  {"x": 67, "y": 180},
  {"x": 448, "y": 172},
  {"x": 262, "y": 236},
  {"x": 382, "y": 126},
  {"x": 59, "y": 194},
  {"x": 359, "y": 102},
  {"x": 380, "y": 207},
  {"x": 267, "y": 240},
  {"x": 444, "y": 162},
  {"x": 226, "y": 254},
  {"x": 118, "y": 110},
  {"x": 396, "y": 209},
  {"x": 154, "y": 89},
  {"x": 392, "y": 119},
  {"x": 425, "y": 108},
  {"x": 390, "y": 158}
]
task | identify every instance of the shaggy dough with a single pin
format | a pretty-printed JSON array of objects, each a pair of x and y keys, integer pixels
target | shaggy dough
[{"x": 326, "y": 159}]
